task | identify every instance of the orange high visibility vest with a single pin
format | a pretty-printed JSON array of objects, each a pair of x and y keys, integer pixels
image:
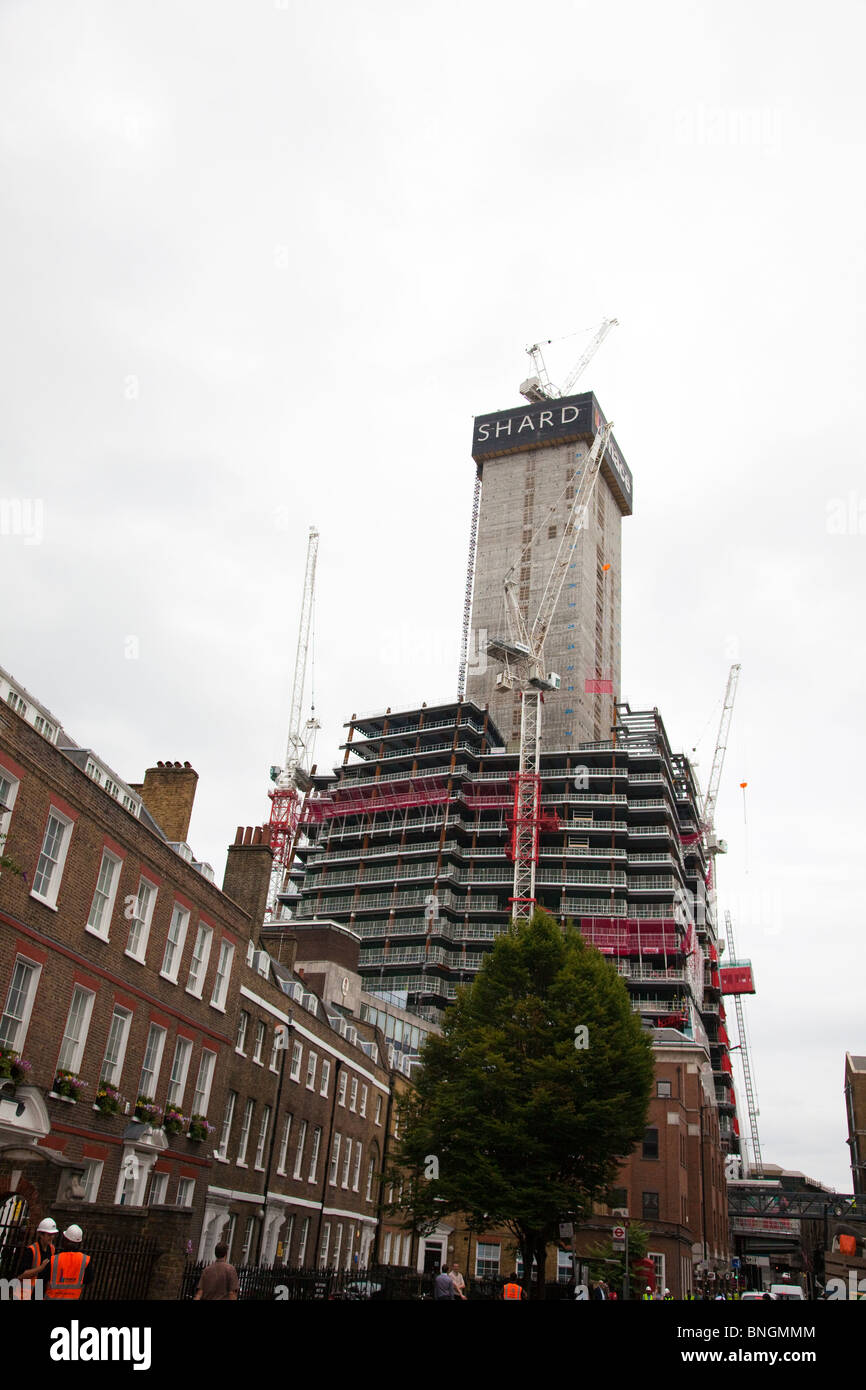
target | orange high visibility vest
[
  {"x": 67, "y": 1274},
  {"x": 36, "y": 1258},
  {"x": 512, "y": 1291}
]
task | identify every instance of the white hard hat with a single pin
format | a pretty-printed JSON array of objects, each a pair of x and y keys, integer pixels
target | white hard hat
[
  {"x": 48, "y": 1227},
  {"x": 648, "y": 1289},
  {"x": 74, "y": 1233},
  {"x": 667, "y": 1290}
]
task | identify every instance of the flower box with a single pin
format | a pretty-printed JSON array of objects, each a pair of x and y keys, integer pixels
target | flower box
[
  {"x": 68, "y": 1086},
  {"x": 199, "y": 1129},
  {"x": 109, "y": 1100},
  {"x": 174, "y": 1121},
  {"x": 12, "y": 1067},
  {"x": 147, "y": 1112}
]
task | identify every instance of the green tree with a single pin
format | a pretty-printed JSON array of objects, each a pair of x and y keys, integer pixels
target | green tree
[
  {"x": 510, "y": 1122},
  {"x": 609, "y": 1264}
]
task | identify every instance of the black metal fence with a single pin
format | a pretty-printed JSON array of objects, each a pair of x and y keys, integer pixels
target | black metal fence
[
  {"x": 382, "y": 1283},
  {"x": 121, "y": 1265}
]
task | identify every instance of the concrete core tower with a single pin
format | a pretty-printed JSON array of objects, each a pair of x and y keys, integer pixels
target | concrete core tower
[{"x": 528, "y": 459}]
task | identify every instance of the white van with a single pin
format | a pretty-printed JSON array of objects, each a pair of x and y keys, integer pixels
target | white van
[{"x": 787, "y": 1291}]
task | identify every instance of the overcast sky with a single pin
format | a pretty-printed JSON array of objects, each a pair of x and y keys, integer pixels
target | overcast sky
[{"x": 262, "y": 264}]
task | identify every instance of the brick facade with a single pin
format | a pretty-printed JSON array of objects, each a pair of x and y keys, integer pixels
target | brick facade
[
  {"x": 97, "y": 989},
  {"x": 301, "y": 1143}
]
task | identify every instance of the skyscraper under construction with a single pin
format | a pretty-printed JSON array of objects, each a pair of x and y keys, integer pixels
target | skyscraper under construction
[{"x": 529, "y": 461}]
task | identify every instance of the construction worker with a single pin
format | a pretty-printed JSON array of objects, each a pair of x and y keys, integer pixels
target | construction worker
[
  {"x": 71, "y": 1269},
  {"x": 668, "y": 1297},
  {"x": 35, "y": 1258},
  {"x": 512, "y": 1288},
  {"x": 647, "y": 1295}
]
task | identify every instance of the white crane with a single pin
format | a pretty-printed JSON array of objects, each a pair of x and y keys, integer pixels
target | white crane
[
  {"x": 522, "y": 655},
  {"x": 292, "y": 779},
  {"x": 714, "y": 844},
  {"x": 745, "y": 1057},
  {"x": 540, "y": 388}
]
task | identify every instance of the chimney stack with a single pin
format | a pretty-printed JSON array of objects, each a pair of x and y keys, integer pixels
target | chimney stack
[
  {"x": 168, "y": 792},
  {"x": 248, "y": 873}
]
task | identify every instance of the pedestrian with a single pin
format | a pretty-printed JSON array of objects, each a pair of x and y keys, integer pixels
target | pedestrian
[
  {"x": 512, "y": 1288},
  {"x": 71, "y": 1269},
  {"x": 668, "y": 1297},
  {"x": 219, "y": 1281},
  {"x": 600, "y": 1291},
  {"x": 443, "y": 1285},
  {"x": 35, "y": 1259},
  {"x": 458, "y": 1281},
  {"x": 647, "y": 1295}
]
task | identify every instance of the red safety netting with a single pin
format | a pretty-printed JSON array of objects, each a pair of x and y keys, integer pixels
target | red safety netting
[{"x": 625, "y": 936}]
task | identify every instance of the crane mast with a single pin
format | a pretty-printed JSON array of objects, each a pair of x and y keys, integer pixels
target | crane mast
[
  {"x": 745, "y": 1056},
  {"x": 522, "y": 655},
  {"x": 291, "y": 780}
]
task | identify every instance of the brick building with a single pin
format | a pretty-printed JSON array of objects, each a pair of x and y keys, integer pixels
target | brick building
[
  {"x": 301, "y": 1140},
  {"x": 127, "y": 977},
  {"x": 118, "y": 956}
]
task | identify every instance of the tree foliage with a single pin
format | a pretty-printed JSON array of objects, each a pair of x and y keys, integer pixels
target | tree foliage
[
  {"x": 609, "y": 1264},
  {"x": 510, "y": 1123}
]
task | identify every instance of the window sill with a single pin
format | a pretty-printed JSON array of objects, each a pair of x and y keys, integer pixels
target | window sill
[
  {"x": 194, "y": 994},
  {"x": 238, "y": 1164},
  {"x": 219, "y": 1005},
  {"x": 218, "y": 1158},
  {"x": 46, "y": 902},
  {"x": 240, "y": 1052},
  {"x": 172, "y": 979},
  {"x": 67, "y": 1100},
  {"x": 100, "y": 936},
  {"x": 139, "y": 960},
  {"x": 257, "y": 1062}
]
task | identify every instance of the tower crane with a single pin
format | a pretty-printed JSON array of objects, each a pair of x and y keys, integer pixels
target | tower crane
[
  {"x": 522, "y": 655},
  {"x": 745, "y": 1056},
  {"x": 708, "y": 815},
  {"x": 292, "y": 779},
  {"x": 540, "y": 388}
]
